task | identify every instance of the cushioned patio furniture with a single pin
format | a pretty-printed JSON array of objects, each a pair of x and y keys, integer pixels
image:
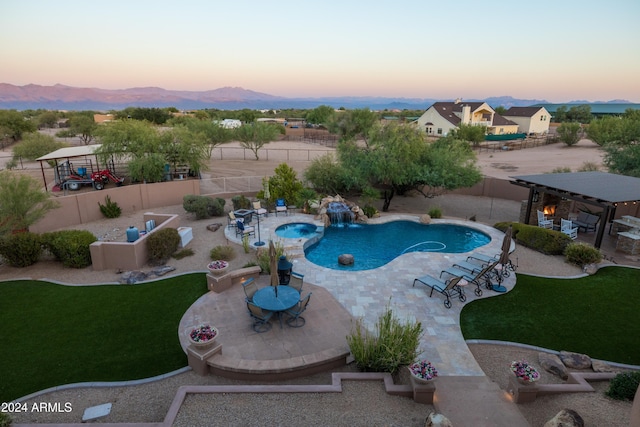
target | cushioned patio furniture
[
  {"x": 586, "y": 221},
  {"x": 233, "y": 220},
  {"x": 449, "y": 288},
  {"x": 567, "y": 228},
  {"x": 260, "y": 318},
  {"x": 296, "y": 320},
  {"x": 281, "y": 206},
  {"x": 258, "y": 210},
  {"x": 244, "y": 230},
  {"x": 544, "y": 222}
]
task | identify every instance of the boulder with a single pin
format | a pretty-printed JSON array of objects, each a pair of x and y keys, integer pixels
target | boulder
[
  {"x": 599, "y": 366},
  {"x": 161, "y": 271},
  {"x": 590, "y": 269},
  {"x": 425, "y": 219},
  {"x": 131, "y": 277},
  {"x": 552, "y": 364},
  {"x": 575, "y": 360},
  {"x": 214, "y": 227},
  {"x": 437, "y": 420},
  {"x": 345, "y": 259},
  {"x": 566, "y": 418}
]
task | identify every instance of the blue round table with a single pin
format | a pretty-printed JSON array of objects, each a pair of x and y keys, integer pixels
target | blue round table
[{"x": 268, "y": 299}]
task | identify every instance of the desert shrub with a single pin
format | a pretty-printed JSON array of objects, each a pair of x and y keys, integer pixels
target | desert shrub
[
  {"x": 549, "y": 242},
  {"x": 369, "y": 211},
  {"x": 589, "y": 167},
  {"x": 71, "y": 247},
  {"x": 110, "y": 209},
  {"x": 161, "y": 244},
  {"x": 223, "y": 252},
  {"x": 203, "y": 206},
  {"x": 435, "y": 213},
  {"x": 580, "y": 254},
  {"x": 240, "y": 202},
  {"x": 263, "y": 256},
  {"x": 561, "y": 169},
  {"x": 624, "y": 386},
  {"x": 5, "y": 419},
  {"x": 183, "y": 253},
  {"x": 395, "y": 344},
  {"x": 21, "y": 249},
  {"x": 250, "y": 264}
]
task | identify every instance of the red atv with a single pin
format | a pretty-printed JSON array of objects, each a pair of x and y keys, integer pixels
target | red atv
[{"x": 102, "y": 178}]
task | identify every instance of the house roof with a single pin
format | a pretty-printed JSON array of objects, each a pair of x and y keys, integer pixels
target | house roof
[
  {"x": 67, "y": 152},
  {"x": 448, "y": 111},
  {"x": 499, "y": 120},
  {"x": 522, "y": 111},
  {"x": 600, "y": 187}
]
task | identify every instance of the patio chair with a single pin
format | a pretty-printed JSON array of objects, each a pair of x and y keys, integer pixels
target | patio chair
[
  {"x": 567, "y": 228},
  {"x": 482, "y": 276},
  {"x": 448, "y": 288},
  {"x": 296, "y": 280},
  {"x": 250, "y": 288},
  {"x": 281, "y": 206},
  {"x": 232, "y": 221},
  {"x": 258, "y": 210},
  {"x": 296, "y": 320},
  {"x": 260, "y": 318},
  {"x": 487, "y": 259},
  {"x": 586, "y": 221},
  {"x": 544, "y": 222},
  {"x": 244, "y": 230}
]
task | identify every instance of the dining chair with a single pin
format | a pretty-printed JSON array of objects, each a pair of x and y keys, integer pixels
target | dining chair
[
  {"x": 296, "y": 320},
  {"x": 260, "y": 318},
  {"x": 250, "y": 288},
  {"x": 296, "y": 280}
]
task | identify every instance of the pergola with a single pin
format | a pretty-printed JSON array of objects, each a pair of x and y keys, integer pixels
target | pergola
[{"x": 605, "y": 190}]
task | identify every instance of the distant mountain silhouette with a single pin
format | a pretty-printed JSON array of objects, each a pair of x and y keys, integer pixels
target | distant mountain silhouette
[{"x": 61, "y": 97}]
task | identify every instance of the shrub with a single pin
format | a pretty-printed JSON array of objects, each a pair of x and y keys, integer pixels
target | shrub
[
  {"x": 624, "y": 386},
  {"x": 543, "y": 240},
  {"x": 223, "y": 252},
  {"x": 183, "y": 253},
  {"x": 5, "y": 419},
  {"x": 21, "y": 249},
  {"x": 580, "y": 254},
  {"x": 110, "y": 209},
  {"x": 394, "y": 345},
  {"x": 435, "y": 213},
  {"x": 263, "y": 259},
  {"x": 369, "y": 211},
  {"x": 240, "y": 202},
  {"x": 71, "y": 247},
  {"x": 161, "y": 244},
  {"x": 250, "y": 264},
  {"x": 203, "y": 206}
]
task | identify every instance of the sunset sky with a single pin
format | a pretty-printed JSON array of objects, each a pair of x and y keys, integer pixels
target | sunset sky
[{"x": 558, "y": 51}]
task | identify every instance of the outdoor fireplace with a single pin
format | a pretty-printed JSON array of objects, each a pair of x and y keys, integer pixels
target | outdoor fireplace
[{"x": 549, "y": 210}]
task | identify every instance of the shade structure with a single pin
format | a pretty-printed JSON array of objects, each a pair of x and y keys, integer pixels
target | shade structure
[
  {"x": 506, "y": 246},
  {"x": 273, "y": 264}
]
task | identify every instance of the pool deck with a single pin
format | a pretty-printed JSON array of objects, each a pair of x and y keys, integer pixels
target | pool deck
[{"x": 365, "y": 294}]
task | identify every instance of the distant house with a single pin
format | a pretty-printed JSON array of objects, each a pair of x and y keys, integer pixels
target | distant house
[
  {"x": 530, "y": 119},
  {"x": 442, "y": 117},
  {"x": 229, "y": 123},
  {"x": 102, "y": 118}
]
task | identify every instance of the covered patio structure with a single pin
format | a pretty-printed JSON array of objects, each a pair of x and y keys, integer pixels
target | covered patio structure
[{"x": 613, "y": 194}]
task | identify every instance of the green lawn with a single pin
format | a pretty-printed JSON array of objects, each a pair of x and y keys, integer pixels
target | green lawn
[
  {"x": 53, "y": 334},
  {"x": 596, "y": 315}
]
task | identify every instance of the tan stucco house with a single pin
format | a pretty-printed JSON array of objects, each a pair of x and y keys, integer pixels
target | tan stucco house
[
  {"x": 442, "y": 117},
  {"x": 530, "y": 119}
]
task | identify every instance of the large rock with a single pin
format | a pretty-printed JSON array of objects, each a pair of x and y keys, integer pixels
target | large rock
[
  {"x": 552, "y": 364},
  {"x": 437, "y": 420},
  {"x": 575, "y": 360},
  {"x": 425, "y": 219},
  {"x": 566, "y": 418},
  {"x": 345, "y": 259},
  {"x": 599, "y": 366}
]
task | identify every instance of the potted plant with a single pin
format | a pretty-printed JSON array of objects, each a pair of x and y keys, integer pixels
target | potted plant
[
  {"x": 525, "y": 373},
  {"x": 423, "y": 371},
  {"x": 218, "y": 267},
  {"x": 203, "y": 336}
]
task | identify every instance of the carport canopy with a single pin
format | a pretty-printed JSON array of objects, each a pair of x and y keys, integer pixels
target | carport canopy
[
  {"x": 601, "y": 189},
  {"x": 66, "y": 153}
]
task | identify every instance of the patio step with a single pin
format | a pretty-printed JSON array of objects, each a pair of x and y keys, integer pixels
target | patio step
[{"x": 476, "y": 401}]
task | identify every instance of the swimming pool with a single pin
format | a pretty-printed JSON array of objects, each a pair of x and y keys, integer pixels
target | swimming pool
[
  {"x": 375, "y": 245},
  {"x": 296, "y": 230}
]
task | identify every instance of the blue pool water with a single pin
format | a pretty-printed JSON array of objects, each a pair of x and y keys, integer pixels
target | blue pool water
[
  {"x": 295, "y": 230},
  {"x": 375, "y": 245}
]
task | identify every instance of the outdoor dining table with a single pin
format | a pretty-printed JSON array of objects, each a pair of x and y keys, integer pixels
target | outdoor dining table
[{"x": 276, "y": 299}]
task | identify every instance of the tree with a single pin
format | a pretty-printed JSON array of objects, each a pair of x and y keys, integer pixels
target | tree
[
  {"x": 470, "y": 133},
  {"x": 36, "y": 144},
  {"x": 83, "y": 126},
  {"x": 397, "y": 159},
  {"x": 22, "y": 202},
  {"x": 500, "y": 110},
  {"x": 623, "y": 159},
  {"x": 569, "y": 133},
  {"x": 255, "y": 135},
  {"x": 214, "y": 133},
  {"x": 328, "y": 176},
  {"x": 619, "y": 130},
  {"x": 47, "y": 119},
  {"x": 246, "y": 115},
  {"x": 285, "y": 184},
  {"x": 353, "y": 124},
  {"x": 182, "y": 146},
  {"x": 320, "y": 115},
  {"x": 13, "y": 125}
]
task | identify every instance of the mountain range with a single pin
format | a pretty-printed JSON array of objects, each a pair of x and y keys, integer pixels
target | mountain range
[{"x": 61, "y": 97}]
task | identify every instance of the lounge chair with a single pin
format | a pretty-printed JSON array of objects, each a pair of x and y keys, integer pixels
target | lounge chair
[
  {"x": 448, "y": 288},
  {"x": 244, "y": 230},
  {"x": 258, "y": 210},
  {"x": 250, "y": 288},
  {"x": 260, "y": 318},
  {"x": 296, "y": 320},
  {"x": 567, "y": 228},
  {"x": 281, "y": 206},
  {"x": 233, "y": 220},
  {"x": 586, "y": 221},
  {"x": 296, "y": 280},
  {"x": 477, "y": 279},
  {"x": 544, "y": 222},
  {"x": 486, "y": 259}
]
